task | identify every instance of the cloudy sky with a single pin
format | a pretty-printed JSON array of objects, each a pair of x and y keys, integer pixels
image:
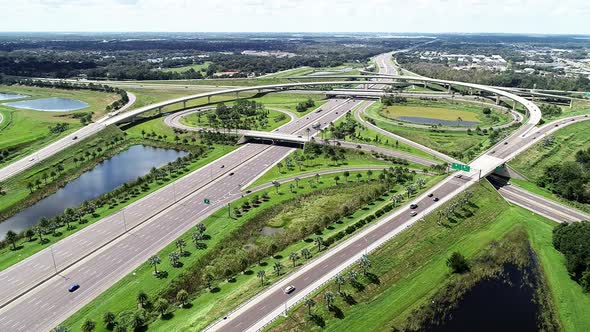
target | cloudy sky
[{"x": 518, "y": 16}]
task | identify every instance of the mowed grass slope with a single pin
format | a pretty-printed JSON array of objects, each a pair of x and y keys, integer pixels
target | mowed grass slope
[{"x": 412, "y": 267}]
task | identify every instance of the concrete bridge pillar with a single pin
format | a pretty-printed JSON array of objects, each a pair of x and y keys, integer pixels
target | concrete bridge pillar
[
  {"x": 449, "y": 89},
  {"x": 208, "y": 99},
  {"x": 497, "y": 99},
  {"x": 184, "y": 104},
  {"x": 571, "y": 103},
  {"x": 237, "y": 94},
  {"x": 514, "y": 105},
  {"x": 159, "y": 110}
]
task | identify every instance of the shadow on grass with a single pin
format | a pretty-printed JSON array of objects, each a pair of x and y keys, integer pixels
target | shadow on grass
[
  {"x": 318, "y": 320},
  {"x": 337, "y": 312}
]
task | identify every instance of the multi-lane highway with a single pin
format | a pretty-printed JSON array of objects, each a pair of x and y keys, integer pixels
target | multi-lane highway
[{"x": 104, "y": 252}]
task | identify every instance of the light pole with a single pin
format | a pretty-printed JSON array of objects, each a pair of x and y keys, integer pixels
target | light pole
[
  {"x": 124, "y": 221},
  {"x": 53, "y": 258}
]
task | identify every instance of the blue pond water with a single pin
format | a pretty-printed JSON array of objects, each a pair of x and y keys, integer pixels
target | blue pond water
[
  {"x": 121, "y": 168},
  {"x": 53, "y": 104},
  {"x": 8, "y": 96},
  {"x": 429, "y": 121}
]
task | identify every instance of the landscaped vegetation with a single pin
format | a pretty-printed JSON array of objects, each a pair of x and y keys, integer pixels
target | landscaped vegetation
[
  {"x": 397, "y": 288},
  {"x": 24, "y": 131},
  {"x": 243, "y": 114},
  {"x": 231, "y": 256},
  {"x": 558, "y": 165},
  {"x": 463, "y": 145},
  {"x": 69, "y": 164}
]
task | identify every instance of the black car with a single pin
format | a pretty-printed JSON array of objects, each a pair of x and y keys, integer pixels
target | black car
[
  {"x": 232, "y": 173},
  {"x": 430, "y": 195},
  {"x": 73, "y": 288},
  {"x": 414, "y": 206},
  {"x": 435, "y": 199}
]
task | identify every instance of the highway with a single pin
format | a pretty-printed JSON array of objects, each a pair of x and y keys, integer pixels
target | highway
[
  {"x": 125, "y": 240},
  {"x": 174, "y": 121},
  {"x": 59, "y": 145},
  {"x": 535, "y": 203}
]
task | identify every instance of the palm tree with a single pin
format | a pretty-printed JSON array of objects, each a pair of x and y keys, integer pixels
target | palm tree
[
  {"x": 182, "y": 297},
  {"x": 154, "y": 260},
  {"x": 317, "y": 177},
  {"x": 201, "y": 228},
  {"x": 352, "y": 275},
  {"x": 88, "y": 325},
  {"x": 29, "y": 233},
  {"x": 291, "y": 186},
  {"x": 280, "y": 166},
  {"x": 197, "y": 237},
  {"x": 11, "y": 237},
  {"x": 329, "y": 298},
  {"x": 137, "y": 319},
  {"x": 180, "y": 244},
  {"x": 109, "y": 319},
  {"x": 336, "y": 179},
  {"x": 339, "y": 281},
  {"x": 294, "y": 257},
  {"x": 369, "y": 174},
  {"x": 161, "y": 306},
  {"x": 297, "y": 181},
  {"x": 306, "y": 253},
  {"x": 420, "y": 182},
  {"x": 309, "y": 303},
  {"x": 142, "y": 298},
  {"x": 320, "y": 242},
  {"x": 261, "y": 274},
  {"x": 277, "y": 184},
  {"x": 346, "y": 175},
  {"x": 278, "y": 267},
  {"x": 365, "y": 264},
  {"x": 40, "y": 231},
  {"x": 459, "y": 120},
  {"x": 174, "y": 258},
  {"x": 358, "y": 176}
]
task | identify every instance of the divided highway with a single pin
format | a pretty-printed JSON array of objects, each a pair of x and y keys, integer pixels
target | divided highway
[{"x": 151, "y": 224}]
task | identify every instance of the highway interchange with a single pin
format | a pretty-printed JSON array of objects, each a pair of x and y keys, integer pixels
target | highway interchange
[{"x": 104, "y": 252}]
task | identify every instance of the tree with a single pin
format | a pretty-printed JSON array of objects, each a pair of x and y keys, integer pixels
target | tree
[
  {"x": 182, "y": 297},
  {"x": 319, "y": 242},
  {"x": 457, "y": 263},
  {"x": 40, "y": 231},
  {"x": 365, "y": 264},
  {"x": 109, "y": 319},
  {"x": 276, "y": 184},
  {"x": 339, "y": 281},
  {"x": 358, "y": 176},
  {"x": 369, "y": 174},
  {"x": 201, "y": 228},
  {"x": 278, "y": 267},
  {"x": 180, "y": 244},
  {"x": 329, "y": 298},
  {"x": 305, "y": 253},
  {"x": 585, "y": 281},
  {"x": 137, "y": 319},
  {"x": 309, "y": 302},
  {"x": 280, "y": 166},
  {"x": 88, "y": 325},
  {"x": 261, "y": 274},
  {"x": 31, "y": 186},
  {"x": 294, "y": 257},
  {"x": 161, "y": 306},
  {"x": 346, "y": 175},
  {"x": 11, "y": 237},
  {"x": 174, "y": 258},
  {"x": 120, "y": 328},
  {"x": 352, "y": 275},
  {"x": 197, "y": 237},
  {"x": 29, "y": 233},
  {"x": 154, "y": 261},
  {"x": 336, "y": 179},
  {"x": 142, "y": 298}
]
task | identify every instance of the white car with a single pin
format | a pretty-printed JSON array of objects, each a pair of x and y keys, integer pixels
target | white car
[
  {"x": 413, "y": 213},
  {"x": 289, "y": 289}
]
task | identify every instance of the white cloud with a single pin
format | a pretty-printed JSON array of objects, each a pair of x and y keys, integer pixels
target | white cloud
[{"x": 536, "y": 16}]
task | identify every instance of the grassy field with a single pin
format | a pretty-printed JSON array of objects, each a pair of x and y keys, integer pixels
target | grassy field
[
  {"x": 442, "y": 110},
  {"x": 580, "y": 107},
  {"x": 412, "y": 267},
  {"x": 458, "y": 144},
  {"x": 207, "y": 306},
  {"x": 197, "y": 67},
  {"x": 289, "y": 101},
  {"x": 533, "y": 162},
  {"x": 275, "y": 120},
  {"x": 24, "y": 131}
]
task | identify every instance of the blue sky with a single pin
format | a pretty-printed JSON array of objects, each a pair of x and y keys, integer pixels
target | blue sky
[{"x": 516, "y": 16}]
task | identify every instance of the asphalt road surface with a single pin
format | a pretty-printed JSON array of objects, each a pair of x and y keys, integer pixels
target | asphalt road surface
[{"x": 152, "y": 223}]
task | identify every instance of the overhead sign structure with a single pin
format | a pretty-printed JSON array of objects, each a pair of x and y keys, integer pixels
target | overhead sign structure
[
  {"x": 587, "y": 94},
  {"x": 461, "y": 167},
  {"x": 207, "y": 201}
]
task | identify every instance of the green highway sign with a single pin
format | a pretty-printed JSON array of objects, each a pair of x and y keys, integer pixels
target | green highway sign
[
  {"x": 461, "y": 167},
  {"x": 207, "y": 201},
  {"x": 587, "y": 94}
]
